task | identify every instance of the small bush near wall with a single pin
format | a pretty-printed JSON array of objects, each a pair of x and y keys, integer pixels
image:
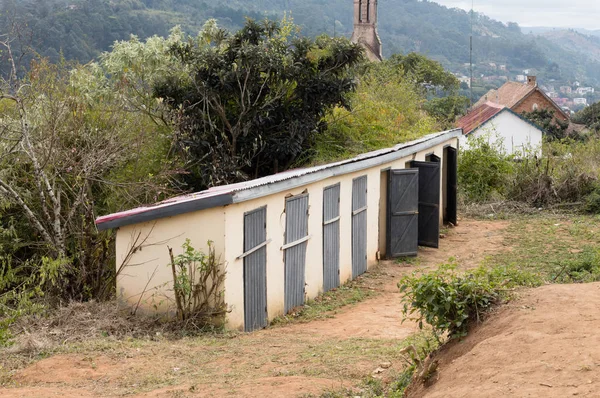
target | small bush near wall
[{"x": 198, "y": 280}]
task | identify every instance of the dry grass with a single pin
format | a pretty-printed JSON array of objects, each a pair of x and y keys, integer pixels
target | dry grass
[
  {"x": 499, "y": 210},
  {"x": 78, "y": 322}
]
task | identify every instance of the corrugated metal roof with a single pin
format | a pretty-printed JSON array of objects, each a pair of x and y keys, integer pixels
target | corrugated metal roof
[
  {"x": 479, "y": 116},
  {"x": 239, "y": 192}
]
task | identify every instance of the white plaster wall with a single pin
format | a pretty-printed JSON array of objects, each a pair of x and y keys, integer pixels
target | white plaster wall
[
  {"x": 224, "y": 225},
  {"x": 515, "y": 134},
  {"x": 147, "y": 278}
]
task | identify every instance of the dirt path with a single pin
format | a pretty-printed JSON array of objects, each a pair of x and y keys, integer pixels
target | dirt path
[
  {"x": 546, "y": 344},
  {"x": 278, "y": 362}
]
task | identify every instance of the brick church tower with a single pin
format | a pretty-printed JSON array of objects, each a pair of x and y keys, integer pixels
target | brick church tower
[{"x": 365, "y": 28}]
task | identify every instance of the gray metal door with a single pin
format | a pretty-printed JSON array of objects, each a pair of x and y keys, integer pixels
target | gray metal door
[
  {"x": 429, "y": 203},
  {"x": 296, "y": 240},
  {"x": 331, "y": 237},
  {"x": 451, "y": 185},
  {"x": 359, "y": 226},
  {"x": 403, "y": 213},
  {"x": 255, "y": 269}
]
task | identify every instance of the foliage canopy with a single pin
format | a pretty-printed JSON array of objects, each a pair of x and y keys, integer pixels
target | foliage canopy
[{"x": 256, "y": 98}]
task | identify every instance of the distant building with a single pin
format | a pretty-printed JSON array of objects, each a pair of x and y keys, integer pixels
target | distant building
[
  {"x": 365, "y": 28},
  {"x": 561, "y": 101},
  {"x": 523, "y": 98},
  {"x": 500, "y": 125},
  {"x": 465, "y": 79},
  {"x": 585, "y": 90},
  {"x": 502, "y": 67},
  {"x": 553, "y": 94},
  {"x": 580, "y": 101},
  {"x": 521, "y": 78},
  {"x": 566, "y": 89},
  {"x": 526, "y": 72}
]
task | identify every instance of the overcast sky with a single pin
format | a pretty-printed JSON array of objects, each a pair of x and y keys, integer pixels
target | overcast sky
[{"x": 551, "y": 13}]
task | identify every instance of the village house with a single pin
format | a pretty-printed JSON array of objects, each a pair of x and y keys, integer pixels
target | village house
[
  {"x": 521, "y": 98},
  {"x": 502, "y": 127},
  {"x": 566, "y": 89},
  {"x": 585, "y": 90},
  {"x": 465, "y": 79}
]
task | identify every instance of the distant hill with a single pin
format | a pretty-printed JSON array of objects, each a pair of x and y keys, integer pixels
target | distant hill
[
  {"x": 81, "y": 29},
  {"x": 573, "y": 41},
  {"x": 538, "y": 30}
]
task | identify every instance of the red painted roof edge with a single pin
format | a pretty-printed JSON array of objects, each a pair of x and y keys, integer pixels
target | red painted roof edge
[{"x": 478, "y": 116}]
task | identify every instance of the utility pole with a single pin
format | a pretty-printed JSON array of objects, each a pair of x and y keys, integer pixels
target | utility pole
[{"x": 471, "y": 56}]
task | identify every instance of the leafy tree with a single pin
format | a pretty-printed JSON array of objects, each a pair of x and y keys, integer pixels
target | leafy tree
[
  {"x": 589, "y": 116},
  {"x": 544, "y": 118},
  {"x": 441, "y": 86},
  {"x": 385, "y": 110},
  {"x": 256, "y": 98},
  {"x": 424, "y": 71},
  {"x": 447, "y": 109},
  {"x": 69, "y": 151}
]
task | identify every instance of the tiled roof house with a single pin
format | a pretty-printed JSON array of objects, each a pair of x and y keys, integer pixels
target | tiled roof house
[{"x": 521, "y": 98}]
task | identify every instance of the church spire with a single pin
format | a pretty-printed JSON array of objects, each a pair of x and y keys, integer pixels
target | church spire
[{"x": 365, "y": 28}]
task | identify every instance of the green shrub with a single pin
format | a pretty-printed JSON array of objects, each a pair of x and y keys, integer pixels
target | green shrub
[
  {"x": 198, "y": 281},
  {"x": 447, "y": 300},
  {"x": 385, "y": 110},
  {"x": 592, "y": 201},
  {"x": 484, "y": 171}
]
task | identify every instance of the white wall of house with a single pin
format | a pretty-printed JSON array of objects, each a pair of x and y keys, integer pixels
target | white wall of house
[{"x": 514, "y": 134}]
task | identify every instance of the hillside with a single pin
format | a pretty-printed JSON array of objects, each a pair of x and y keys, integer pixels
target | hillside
[
  {"x": 575, "y": 42},
  {"x": 538, "y": 30},
  {"x": 81, "y": 29}
]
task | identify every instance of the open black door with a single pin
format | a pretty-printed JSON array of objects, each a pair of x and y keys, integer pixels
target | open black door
[
  {"x": 429, "y": 203},
  {"x": 451, "y": 185},
  {"x": 403, "y": 213}
]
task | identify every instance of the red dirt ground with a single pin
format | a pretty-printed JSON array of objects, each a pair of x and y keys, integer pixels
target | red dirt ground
[
  {"x": 545, "y": 344},
  {"x": 274, "y": 362}
]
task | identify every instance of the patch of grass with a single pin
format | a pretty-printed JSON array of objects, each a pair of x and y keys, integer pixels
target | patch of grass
[
  {"x": 408, "y": 260},
  {"x": 421, "y": 346},
  {"x": 556, "y": 248},
  {"x": 325, "y": 305}
]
